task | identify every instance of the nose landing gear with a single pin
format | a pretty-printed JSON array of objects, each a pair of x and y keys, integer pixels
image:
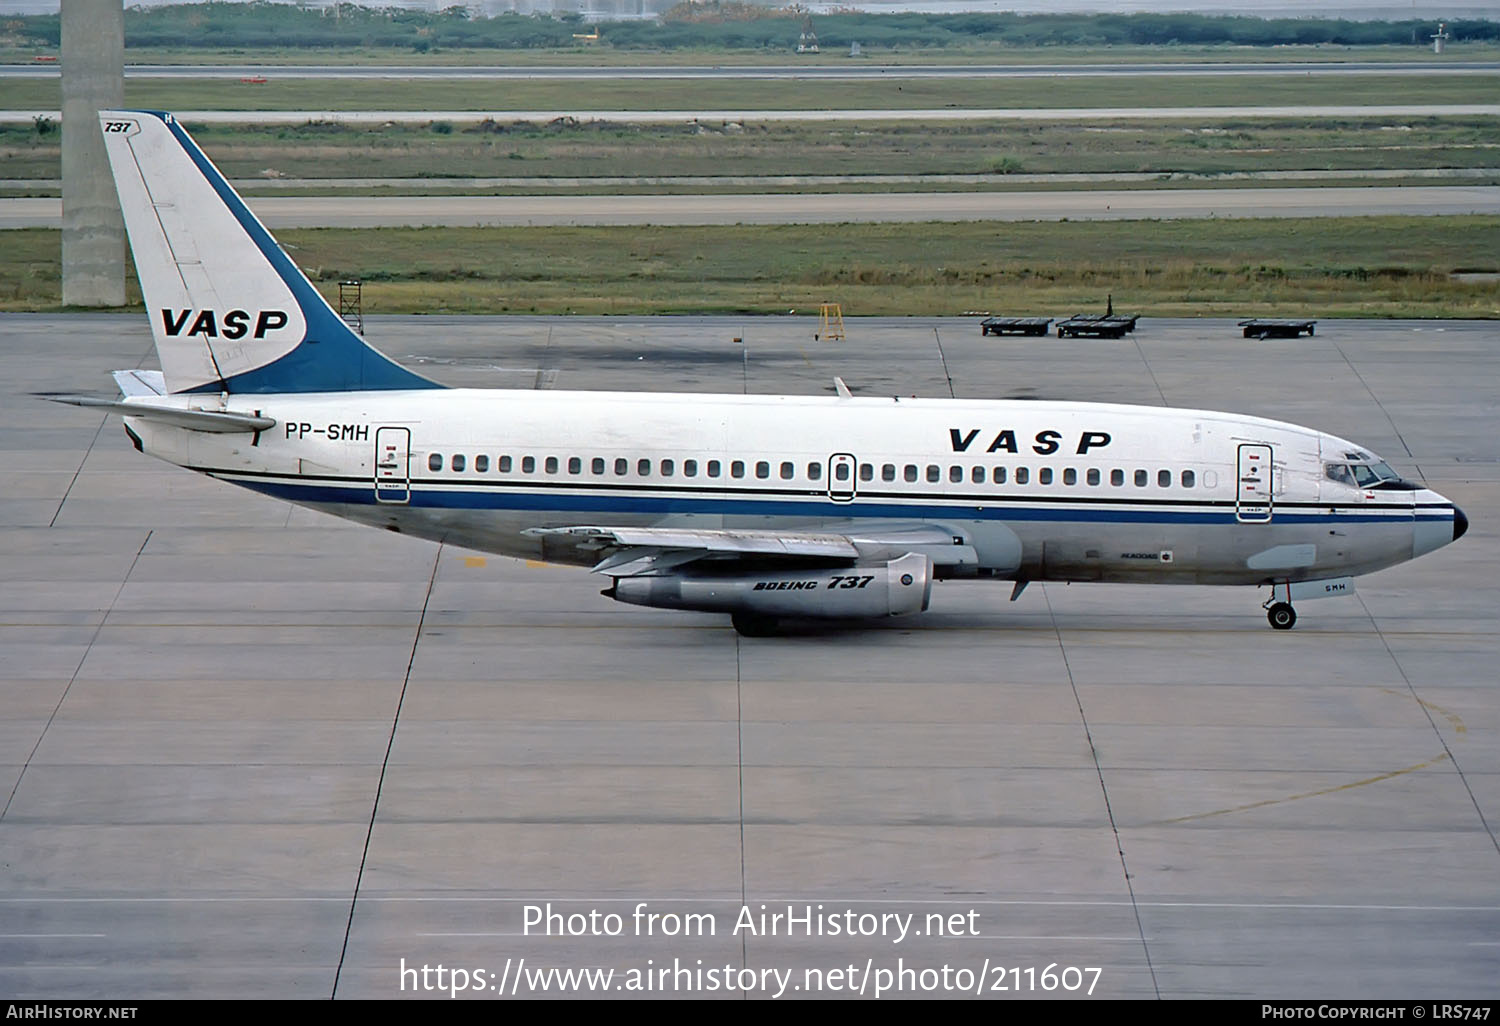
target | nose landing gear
[
  {"x": 1279, "y": 606},
  {"x": 1281, "y": 615}
]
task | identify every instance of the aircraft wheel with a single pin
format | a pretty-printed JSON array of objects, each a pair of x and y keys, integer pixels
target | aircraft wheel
[
  {"x": 749, "y": 625},
  {"x": 1282, "y": 616}
]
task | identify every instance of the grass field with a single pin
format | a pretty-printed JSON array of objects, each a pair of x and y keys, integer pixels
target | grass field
[
  {"x": 1317, "y": 267},
  {"x": 697, "y": 187},
  {"x": 285, "y": 92},
  {"x": 847, "y": 148},
  {"x": 593, "y": 55}
]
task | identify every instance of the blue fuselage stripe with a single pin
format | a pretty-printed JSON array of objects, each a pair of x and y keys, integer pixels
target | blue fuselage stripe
[{"x": 588, "y": 502}]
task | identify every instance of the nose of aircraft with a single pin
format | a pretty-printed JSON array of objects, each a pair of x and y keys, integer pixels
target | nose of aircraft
[{"x": 1431, "y": 533}]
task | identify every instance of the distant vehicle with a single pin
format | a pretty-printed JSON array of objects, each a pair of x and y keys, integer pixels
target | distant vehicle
[
  {"x": 1260, "y": 327},
  {"x": 762, "y": 507}
]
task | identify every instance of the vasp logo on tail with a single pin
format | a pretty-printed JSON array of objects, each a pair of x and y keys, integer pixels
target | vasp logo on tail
[{"x": 236, "y": 323}]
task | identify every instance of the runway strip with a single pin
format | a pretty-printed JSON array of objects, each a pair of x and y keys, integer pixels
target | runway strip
[
  {"x": 778, "y": 71},
  {"x": 687, "y": 182},
  {"x": 365, "y": 117},
  {"x": 824, "y": 208}
]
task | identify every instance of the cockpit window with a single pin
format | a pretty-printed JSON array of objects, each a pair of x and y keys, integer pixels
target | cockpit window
[
  {"x": 1339, "y": 472},
  {"x": 1360, "y": 475}
]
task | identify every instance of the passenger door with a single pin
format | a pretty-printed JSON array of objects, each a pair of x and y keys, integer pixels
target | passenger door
[
  {"x": 393, "y": 464},
  {"x": 841, "y": 481},
  {"x": 1254, "y": 480}
]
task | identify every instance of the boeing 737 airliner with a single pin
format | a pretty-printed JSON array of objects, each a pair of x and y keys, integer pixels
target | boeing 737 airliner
[{"x": 763, "y": 507}]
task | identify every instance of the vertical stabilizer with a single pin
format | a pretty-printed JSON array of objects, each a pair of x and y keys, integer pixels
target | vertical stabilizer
[{"x": 229, "y": 310}]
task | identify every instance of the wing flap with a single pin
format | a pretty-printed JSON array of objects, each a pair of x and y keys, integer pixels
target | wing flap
[
  {"x": 644, "y": 551},
  {"x": 643, "y": 561},
  {"x": 708, "y": 542}
]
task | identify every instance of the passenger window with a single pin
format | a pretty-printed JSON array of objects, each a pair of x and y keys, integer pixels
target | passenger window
[
  {"x": 911, "y": 472},
  {"x": 737, "y": 468},
  {"x": 1117, "y": 477},
  {"x": 867, "y": 471},
  {"x": 1022, "y": 475},
  {"x": 1044, "y": 476},
  {"x": 713, "y": 468},
  {"x": 528, "y": 464},
  {"x": 956, "y": 474},
  {"x": 977, "y": 475},
  {"x": 481, "y": 464},
  {"x": 575, "y": 465},
  {"x": 934, "y": 472},
  {"x": 622, "y": 466},
  {"x": 815, "y": 471},
  {"x": 689, "y": 468},
  {"x": 762, "y": 469},
  {"x": 505, "y": 464},
  {"x": 668, "y": 467},
  {"x": 596, "y": 465},
  {"x": 1164, "y": 479},
  {"x": 1093, "y": 475},
  {"x": 1188, "y": 479},
  {"x": 1070, "y": 476},
  {"x": 841, "y": 471},
  {"x": 435, "y": 461},
  {"x": 888, "y": 472},
  {"x": 998, "y": 476},
  {"x": 643, "y": 468},
  {"x": 551, "y": 464},
  {"x": 787, "y": 470},
  {"x": 458, "y": 463},
  {"x": 1140, "y": 478}
]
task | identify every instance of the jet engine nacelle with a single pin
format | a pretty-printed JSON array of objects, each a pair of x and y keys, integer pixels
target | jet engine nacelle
[{"x": 884, "y": 589}]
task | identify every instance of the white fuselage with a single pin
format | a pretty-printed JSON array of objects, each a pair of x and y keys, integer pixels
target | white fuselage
[{"x": 1031, "y": 490}]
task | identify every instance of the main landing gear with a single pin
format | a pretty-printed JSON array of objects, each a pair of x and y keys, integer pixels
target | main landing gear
[{"x": 751, "y": 625}]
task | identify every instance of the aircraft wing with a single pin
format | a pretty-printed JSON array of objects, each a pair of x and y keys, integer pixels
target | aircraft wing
[{"x": 643, "y": 551}]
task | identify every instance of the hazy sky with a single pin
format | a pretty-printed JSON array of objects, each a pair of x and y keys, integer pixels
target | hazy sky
[{"x": 1358, "y": 9}]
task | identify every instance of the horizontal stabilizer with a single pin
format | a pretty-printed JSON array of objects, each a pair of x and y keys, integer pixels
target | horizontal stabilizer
[{"x": 216, "y": 421}]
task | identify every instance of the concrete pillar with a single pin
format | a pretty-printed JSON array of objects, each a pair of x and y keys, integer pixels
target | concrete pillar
[{"x": 93, "y": 78}]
